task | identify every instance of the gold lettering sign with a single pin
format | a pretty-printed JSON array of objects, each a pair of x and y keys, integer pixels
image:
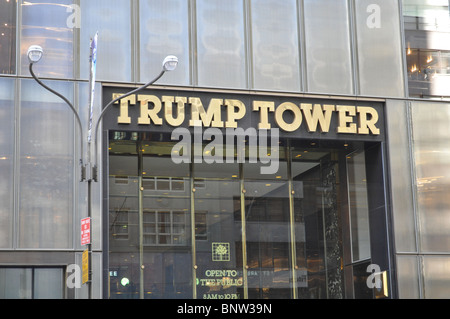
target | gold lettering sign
[
  {"x": 298, "y": 118},
  {"x": 361, "y": 120},
  {"x": 149, "y": 115},
  {"x": 346, "y": 115},
  {"x": 367, "y": 125},
  {"x": 168, "y": 109},
  {"x": 210, "y": 118},
  {"x": 319, "y": 114},
  {"x": 124, "y": 118},
  {"x": 264, "y": 108}
]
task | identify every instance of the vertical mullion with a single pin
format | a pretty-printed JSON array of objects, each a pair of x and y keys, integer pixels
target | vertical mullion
[
  {"x": 354, "y": 46},
  {"x": 192, "y": 6},
  {"x": 292, "y": 221},
  {"x": 302, "y": 46},
  {"x": 16, "y": 166},
  {"x": 32, "y": 282},
  {"x": 135, "y": 42},
  {"x": 76, "y": 41},
  {"x": 193, "y": 247},
  {"x": 141, "y": 221},
  {"x": 248, "y": 36},
  {"x": 243, "y": 231}
]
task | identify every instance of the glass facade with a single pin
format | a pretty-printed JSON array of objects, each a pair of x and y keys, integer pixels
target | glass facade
[
  {"x": 329, "y": 49},
  {"x": 31, "y": 283},
  {"x": 8, "y": 37},
  {"x": 164, "y": 27},
  {"x": 424, "y": 247},
  {"x": 7, "y": 87},
  {"x": 45, "y": 24},
  {"x": 379, "y": 62},
  {"x": 275, "y": 46},
  {"x": 431, "y": 174},
  {"x": 112, "y": 20},
  {"x": 427, "y": 30},
  {"x": 262, "y": 45},
  {"x": 225, "y": 231},
  {"x": 46, "y": 168}
]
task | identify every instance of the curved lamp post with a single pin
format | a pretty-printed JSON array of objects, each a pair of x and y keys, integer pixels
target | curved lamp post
[
  {"x": 35, "y": 54},
  {"x": 169, "y": 64}
]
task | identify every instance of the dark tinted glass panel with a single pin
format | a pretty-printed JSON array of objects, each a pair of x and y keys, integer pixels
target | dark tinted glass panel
[
  {"x": 8, "y": 37},
  {"x": 231, "y": 230}
]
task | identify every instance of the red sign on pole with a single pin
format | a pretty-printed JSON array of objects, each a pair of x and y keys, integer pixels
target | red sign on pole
[{"x": 85, "y": 231}]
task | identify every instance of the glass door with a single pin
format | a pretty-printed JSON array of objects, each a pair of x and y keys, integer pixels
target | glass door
[
  {"x": 226, "y": 231},
  {"x": 318, "y": 227},
  {"x": 150, "y": 220},
  {"x": 268, "y": 231},
  {"x": 218, "y": 232}
]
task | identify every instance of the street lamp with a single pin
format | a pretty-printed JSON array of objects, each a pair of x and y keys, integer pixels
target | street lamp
[
  {"x": 169, "y": 64},
  {"x": 35, "y": 54}
]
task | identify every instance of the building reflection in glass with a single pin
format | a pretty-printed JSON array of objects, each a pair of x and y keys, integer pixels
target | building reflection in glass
[{"x": 224, "y": 231}]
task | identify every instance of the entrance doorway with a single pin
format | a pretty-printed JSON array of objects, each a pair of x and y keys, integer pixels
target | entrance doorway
[{"x": 225, "y": 231}]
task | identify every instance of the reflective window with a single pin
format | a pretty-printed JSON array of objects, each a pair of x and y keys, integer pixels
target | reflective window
[
  {"x": 431, "y": 147},
  {"x": 399, "y": 147},
  {"x": 328, "y": 51},
  {"x": 46, "y": 167},
  {"x": 359, "y": 208},
  {"x": 378, "y": 41},
  {"x": 112, "y": 19},
  {"x": 150, "y": 218},
  {"x": 267, "y": 217},
  {"x": 31, "y": 283},
  {"x": 318, "y": 232},
  {"x": 436, "y": 277},
  {"x": 15, "y": 283},
  {"x": 275, "y": 48},
  {"x": 218, "y": 241},
  {"x": 360, "y": 288},
  {"x": 8, "y": 37},
  {"x": 226, "y": 230},
  {"x": 427, "y": 32},
  {"x": 7, "y": 88},
  {"x": 48, "y": 283},
  {"x": 45, "y": 23},
  {"x": 221, "y": 60},
  {"x": 164, "y": 30},
  {"x": 408, "y": 278}
]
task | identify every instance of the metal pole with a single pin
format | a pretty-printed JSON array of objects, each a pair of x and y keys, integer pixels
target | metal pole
[
  {"x": 243, "y": 231},
  {"x": 80, "y": 126},
  {"x": 107, "y": 107},
  {"x": 89, "y": 172},
  {"x": 83, "y": 170},
  {"x": 288, "y": 152},
  {"x": 141, "y": 219}
]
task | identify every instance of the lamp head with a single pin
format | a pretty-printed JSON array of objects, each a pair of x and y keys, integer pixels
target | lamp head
[
  {"x": 170, "y": 63},
  {"x": 35, "y": 53}
]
